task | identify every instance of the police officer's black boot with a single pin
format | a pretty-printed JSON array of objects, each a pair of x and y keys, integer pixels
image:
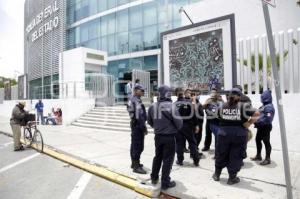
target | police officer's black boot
[
  {"x": 141, "y": 165},
  {"x": 137, "y": 168},
  {"x": 233, "y": 179},
  {"x": 217, "y": 174}
]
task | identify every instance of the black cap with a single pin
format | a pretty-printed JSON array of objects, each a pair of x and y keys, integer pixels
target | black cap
[
  {"x": 235, "y": 91},
  {"x": 139, "y": 87}
]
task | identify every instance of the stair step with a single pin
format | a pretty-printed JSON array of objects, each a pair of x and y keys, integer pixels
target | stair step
[
  {"x": 108, "y": 123},
  {"x": 126, "y": 121},
  {"x": 106, "y": 116},
  {"x": 96, "y": 126}
]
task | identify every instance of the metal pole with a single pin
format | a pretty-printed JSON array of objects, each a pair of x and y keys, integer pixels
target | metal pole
[{"x": 279, "y": 101}]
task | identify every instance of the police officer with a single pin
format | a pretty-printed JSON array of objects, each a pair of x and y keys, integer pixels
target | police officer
[
  {"x": 162, "y": 117},
  {"x": 235, "y": 119},
  {"x": 187, "y": 111},
  {"x": 138, "y": 116},
  {"x": 211, "y": 106},
  {"x": 200, "y": 116}
]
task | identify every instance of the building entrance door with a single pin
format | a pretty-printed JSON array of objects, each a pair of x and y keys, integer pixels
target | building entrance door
[{"x": 144, "y": 78}]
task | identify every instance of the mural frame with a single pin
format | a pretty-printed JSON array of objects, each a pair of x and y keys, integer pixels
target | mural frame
[{"x": 226, "y": 23}]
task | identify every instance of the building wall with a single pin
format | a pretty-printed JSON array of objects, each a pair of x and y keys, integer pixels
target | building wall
[
  {"x": 123, "y": 28},
  {"x": 41, "y": 58}
]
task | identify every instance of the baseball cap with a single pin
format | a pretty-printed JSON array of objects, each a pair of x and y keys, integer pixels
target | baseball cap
[{"x": 139, "y": 87}]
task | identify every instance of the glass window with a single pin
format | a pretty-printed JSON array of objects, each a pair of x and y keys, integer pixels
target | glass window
[
  {"x": 120, "y": 2},
  {"x": 112, "y": 68},
  {"x": 104, "y": 21},
  {"x": 84, "y": 33},
  {"x": 136, "y": 41},
  {"x": 122, "y": 43},
  {"x": 136, "y": 63},
  {"x": 77, "y": 34},
  {"x": 162, "y": 11},
  {"x": 111, "y": 45},
  {"x": 94, "y": 29},
  {"x": 71, "y": 14},
  {"x": 122, "y": 21},
  {"x": 104, "y": 43},
  {"x": 84, "y": 9},
  {"x": 150, "y": 63},
  {"x": 111, "y": 24},
  {"x": 150, "y": 13},
  {"x": 102, "y": 5},
  {"x": 92, "y": 44},
  {"x": 150, "y": 37},
  {"x": 93, "y": 5},
  {"x": 77, "y": 11},
  {"x": 111, "y": 4},
  {"x": 135, "y": 17},
  {"x": 71, "y": 38},
  {"x": 99, "y": 47}
]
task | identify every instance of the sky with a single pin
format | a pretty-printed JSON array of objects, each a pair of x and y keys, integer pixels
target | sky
[{"x": 11, "y": 38}]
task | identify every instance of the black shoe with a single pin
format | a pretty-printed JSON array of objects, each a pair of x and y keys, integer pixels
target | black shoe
[
  {"x": 140, "y": 165},
  {"x": 196, "y": 162},
  {"x": 180, "y": 163},
  {"x": 21, "y": 148},
  {"x": 185, "y": 150},
  {"x": 171, "y": 184},
  {"x": 139, "y": 170},
  {"x": 256, "y": 158},
  {"x": 205, "y": 149},
  {"x": 265, "y": 162},
  {"x": 234, "y": 180},
  {"x": 154, "y": 181},
  {"x": 216, "y": 177}
]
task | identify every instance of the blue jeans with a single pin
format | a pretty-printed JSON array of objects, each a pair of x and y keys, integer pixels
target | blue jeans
[
  {"x": 52, "y": 120},
  {"x": 40, "y": 115}
]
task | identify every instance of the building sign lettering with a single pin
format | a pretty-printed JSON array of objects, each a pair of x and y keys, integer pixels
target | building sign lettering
[{"x": 48, "y": 26}]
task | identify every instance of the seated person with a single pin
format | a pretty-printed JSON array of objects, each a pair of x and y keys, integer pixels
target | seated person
[{"x": 55, "y": 117}]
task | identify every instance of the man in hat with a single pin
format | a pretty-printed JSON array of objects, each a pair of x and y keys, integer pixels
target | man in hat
[
  {"x": 17, "y": 116},
  {"x": 138, "y": 116}
]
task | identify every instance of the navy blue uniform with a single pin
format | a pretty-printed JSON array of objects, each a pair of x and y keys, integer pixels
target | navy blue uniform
[
  {"x": 232, "y": 137},
  {"x": 138, "y": 116},
  {"x": 264, "y": 124},
  {"x": 187, "y": 132},
  {"x": 165, "y": 126},
  {"x": 200, "y": 116}
]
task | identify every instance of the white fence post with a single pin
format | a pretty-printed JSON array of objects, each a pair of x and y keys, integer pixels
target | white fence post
[
  {"x": 256, "y": 49},
  {"x": 298, "y": 55},
  {"x": 265, "y": 55},
  {"x": 241, "y": 58},
  {"x": 290, "y": 60},
  {"x": 249, "y": 71},
  {"x": 281, "y": 58}
]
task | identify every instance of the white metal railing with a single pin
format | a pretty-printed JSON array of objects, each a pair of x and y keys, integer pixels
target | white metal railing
[{"x": 254, "y": 62}]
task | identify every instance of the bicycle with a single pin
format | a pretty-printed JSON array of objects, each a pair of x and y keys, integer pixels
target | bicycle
[{"x": 33, "y": 137}]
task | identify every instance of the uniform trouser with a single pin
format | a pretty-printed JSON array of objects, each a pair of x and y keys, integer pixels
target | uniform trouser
[
  {"x": 137, "y": 143},
  {"x": 263, "y": 134},
  {"x": 16, "y": 129},
  {"x": 229, "y": 150},
  {"x": 198, "y": 137},
  {"x": 40, "y": 115},
  {"x": 164, "y": 154},
  {"x": 214, "y": 127},
  {"x": 187, "y": 132},
  {"x": 208, "y": 132}
]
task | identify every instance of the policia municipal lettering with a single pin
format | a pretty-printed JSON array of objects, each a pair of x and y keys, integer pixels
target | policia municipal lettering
[
  {"x": 234, "y": 120},
  {"x": 138, "y": 116}
]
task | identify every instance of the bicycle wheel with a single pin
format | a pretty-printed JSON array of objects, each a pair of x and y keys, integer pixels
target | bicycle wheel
[
  {"x": 37, "y": 141},
  {"x": 27, "y": 136}
]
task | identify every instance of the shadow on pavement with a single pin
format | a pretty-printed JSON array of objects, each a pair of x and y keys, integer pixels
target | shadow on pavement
[
  {"x": 244, "y": 184},
  {"x": 179, "y": 192}
]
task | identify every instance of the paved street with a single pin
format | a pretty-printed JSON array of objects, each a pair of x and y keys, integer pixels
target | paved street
[{"x": 31, "y": 175}]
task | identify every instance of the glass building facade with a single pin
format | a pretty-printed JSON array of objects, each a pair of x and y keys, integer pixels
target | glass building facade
[{"x": 126, "y": 29}]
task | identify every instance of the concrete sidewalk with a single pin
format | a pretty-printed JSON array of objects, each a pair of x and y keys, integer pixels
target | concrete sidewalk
[{"x": 111, "y": 150}]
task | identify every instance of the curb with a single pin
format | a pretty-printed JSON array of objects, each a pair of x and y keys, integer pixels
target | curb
[{"x": 98, "y": 170}]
